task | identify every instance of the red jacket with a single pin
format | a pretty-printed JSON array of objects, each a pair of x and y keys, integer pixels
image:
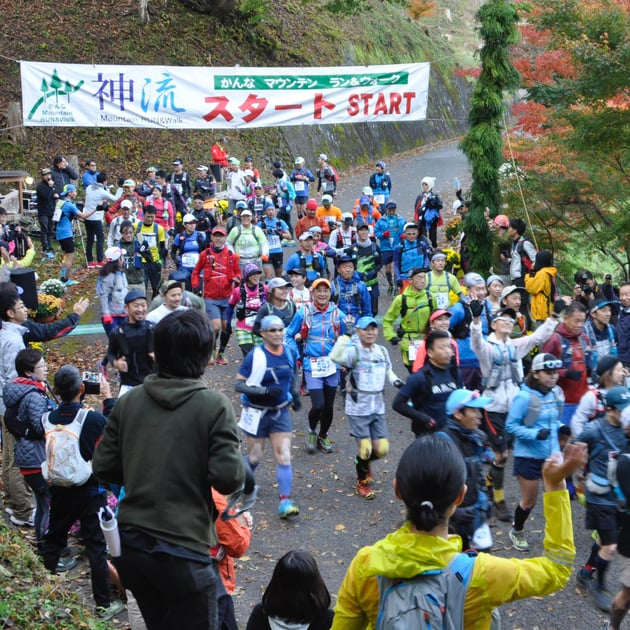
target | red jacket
[
  {"x": 219, "y": 156},
  {"x": 575, "y": 354},
  {"x": 217, "y": 269},
  {"x": 234, "y": 538}
]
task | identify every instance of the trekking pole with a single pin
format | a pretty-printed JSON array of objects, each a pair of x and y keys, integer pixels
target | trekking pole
[{"x": 78, "y": 226}]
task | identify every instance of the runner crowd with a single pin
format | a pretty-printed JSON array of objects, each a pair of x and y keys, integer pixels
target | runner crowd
[{"x": 551, "y": 369}]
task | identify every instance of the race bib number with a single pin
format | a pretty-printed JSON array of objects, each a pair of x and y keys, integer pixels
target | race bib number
[
  {"x": 274, "y": 241},
  {"x": 442, "y": 300},
  {"x": 299, "y": 186},
  {"x": 250, "y": 420},
  {"x": 322, "y": 367},
  {"x": 414, "y": 344},
  {"x": 380, "y": 199},
  {"x": 249, "y": 321},
  {"x": 190, "y": 259},
  {"x": 328, "y": 186}
]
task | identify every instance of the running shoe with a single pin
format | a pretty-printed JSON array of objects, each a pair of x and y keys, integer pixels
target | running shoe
[
  {"x": 303, "y": 390},
  {"x": 324, "y": 444},
  {"x": 519, "y": 542},
  {"x": 287, "y": 508},
  {"x": 70, "y": 283},
  {"x": 29, "y": 522},
  {"x": 311, "y": 443},
  {"x": 106, "y": 613},
  {"x": 364, "y": 489},
  {"x": 220, "y": 360}
]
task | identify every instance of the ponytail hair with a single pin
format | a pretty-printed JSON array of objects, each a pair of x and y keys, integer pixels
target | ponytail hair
[{"x": 429, "y": 477}]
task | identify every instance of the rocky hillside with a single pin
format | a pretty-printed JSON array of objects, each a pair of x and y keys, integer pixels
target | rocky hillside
[{"x": 273, "y": 33}]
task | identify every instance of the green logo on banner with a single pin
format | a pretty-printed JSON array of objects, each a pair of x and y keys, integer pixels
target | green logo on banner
[
  {"x": 310, "y": 82},
  {"x": 56, "y": 88}
]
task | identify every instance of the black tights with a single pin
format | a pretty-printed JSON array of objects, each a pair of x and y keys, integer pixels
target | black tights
[{"x": 323, "y": 401}]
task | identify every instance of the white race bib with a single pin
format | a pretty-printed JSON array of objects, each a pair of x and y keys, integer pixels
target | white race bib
[
  {"x": 322, "y": 367},
  {"x": 299, "y": 186},
  {"x": 274, "y": 241},
  {"x": 190, "y": 259},
  {"x": 250, "y": 419},
  {"x": 380, "y": 199},
  {"x": 414, "y": 344},
  {"x": 442, "y": 300}
]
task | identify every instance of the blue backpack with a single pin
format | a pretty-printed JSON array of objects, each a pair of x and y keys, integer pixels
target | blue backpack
[{"x": 432, "y": 599}]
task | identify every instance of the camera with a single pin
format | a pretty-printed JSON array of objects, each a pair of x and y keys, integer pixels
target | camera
[
  {"x": 586, "y": 289},
  {"x": 92, "y": 382}
]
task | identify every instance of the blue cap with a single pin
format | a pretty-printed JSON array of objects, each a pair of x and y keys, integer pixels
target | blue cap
[
  {"x": 365, "y": 322},
  {"x": 68, "y": 188},
  {"x": 364, "y": 200},
  {"x": 461, "y": 398},
  {"x": 618, "y": 397}
]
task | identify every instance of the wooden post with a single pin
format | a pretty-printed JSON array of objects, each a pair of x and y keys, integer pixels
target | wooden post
[{"x": 17, "y": 133}]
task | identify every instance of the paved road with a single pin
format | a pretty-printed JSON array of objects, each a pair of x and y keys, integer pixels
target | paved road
[{"x": 334, "y": 523}]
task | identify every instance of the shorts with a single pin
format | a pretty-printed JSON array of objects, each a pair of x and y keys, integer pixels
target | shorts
[
  {"x": 318, "y": 383},
  {"x": 624, "y": 565},
  {"x": 605, "y": 519},
  {"x": 493, "y": 425},
  {"x": 528, "y": 467},
  {"x": 276, "y": 259},
  {"x": 387, "y": 257},
  {"x": 216, "y": 309},
  {"x": 278, "y": 421},
  {"x": 373, "y": 426},
  {"x": 300, "y": 200},
  {"x": 67, "y": 245}
]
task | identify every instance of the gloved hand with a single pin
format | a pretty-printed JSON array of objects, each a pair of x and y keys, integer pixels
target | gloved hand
[
  {"x": 108, "y": 319},
  {"x": 476, "y": 308},
  {"x": 394, "y": 341},
  {"x": 197, "y": 289},
  {"x": 296, "y": 404},
  {"x": 264, "y": 258},
  {"x": 274, "y": 391},
  {"x": 398, "y": 383},
  {"x": 543, "y": 434},
  {"x": 386, "y": 234},
  {"x": 574, "y": 375},
  {"x": 559, "y": 306}
]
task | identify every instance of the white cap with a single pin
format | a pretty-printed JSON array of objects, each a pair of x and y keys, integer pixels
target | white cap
[
  {"x": 112, "y": 254},
  {"x": 411, "y": 224},
  {"x": 326, "y": 199},
  {"x": 202, "y": 167},
  {"x": 305, "y": 235},
  {"x": 367, "y": 191},
  {"x": 299, "y": 160},
  {"x": 347, "y": 215},
  {"x": 189, "y": 218},
  {"x": 323, "y": 156},
  {"x": 125, "y": 203}
]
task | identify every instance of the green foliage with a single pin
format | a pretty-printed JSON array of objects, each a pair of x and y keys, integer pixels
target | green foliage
[
  {"x": 354, "y": 7},
  {"x": 483, "y": 143},
  {"x": 31, "y": 597}
]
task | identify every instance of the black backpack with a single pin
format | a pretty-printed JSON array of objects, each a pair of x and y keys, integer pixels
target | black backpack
[{"x": 18, "y": 428}]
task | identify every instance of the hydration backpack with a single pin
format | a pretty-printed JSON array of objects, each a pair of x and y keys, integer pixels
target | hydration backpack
[
  {"x": 64, "y": 465},
  {"x": 431, "y": 599}
]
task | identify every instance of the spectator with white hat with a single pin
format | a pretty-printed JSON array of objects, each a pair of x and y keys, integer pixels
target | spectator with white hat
[{"x": 205, "y": 184}]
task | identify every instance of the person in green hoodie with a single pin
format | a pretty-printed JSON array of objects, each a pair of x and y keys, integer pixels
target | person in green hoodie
[
  {"x": 168, "y": 441},
  {"x": 414, "y": 307}
]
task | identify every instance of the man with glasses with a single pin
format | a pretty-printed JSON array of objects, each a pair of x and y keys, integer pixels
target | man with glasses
[
  {"x": 500, "y": 358},
  {"x": 46, "y": 199},
  {"x": 214, "y": 277},
  {"x": 268, "y": 381}
]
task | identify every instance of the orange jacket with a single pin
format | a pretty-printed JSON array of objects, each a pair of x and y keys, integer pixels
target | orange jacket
[
  {"x": 305, "y": 223},
  {"x": 234, "y": 538}
]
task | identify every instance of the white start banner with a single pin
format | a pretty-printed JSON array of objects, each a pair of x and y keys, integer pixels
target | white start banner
[{"x": 78, "y": 95}]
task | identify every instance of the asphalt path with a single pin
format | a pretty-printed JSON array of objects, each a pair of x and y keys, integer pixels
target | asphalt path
[{"x": 334, "y": 523}]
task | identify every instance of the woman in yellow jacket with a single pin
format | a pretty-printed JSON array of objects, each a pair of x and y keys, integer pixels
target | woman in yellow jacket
[
  {"x": 541, "y": 285},
  {"x": 430, "y": 480}
]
